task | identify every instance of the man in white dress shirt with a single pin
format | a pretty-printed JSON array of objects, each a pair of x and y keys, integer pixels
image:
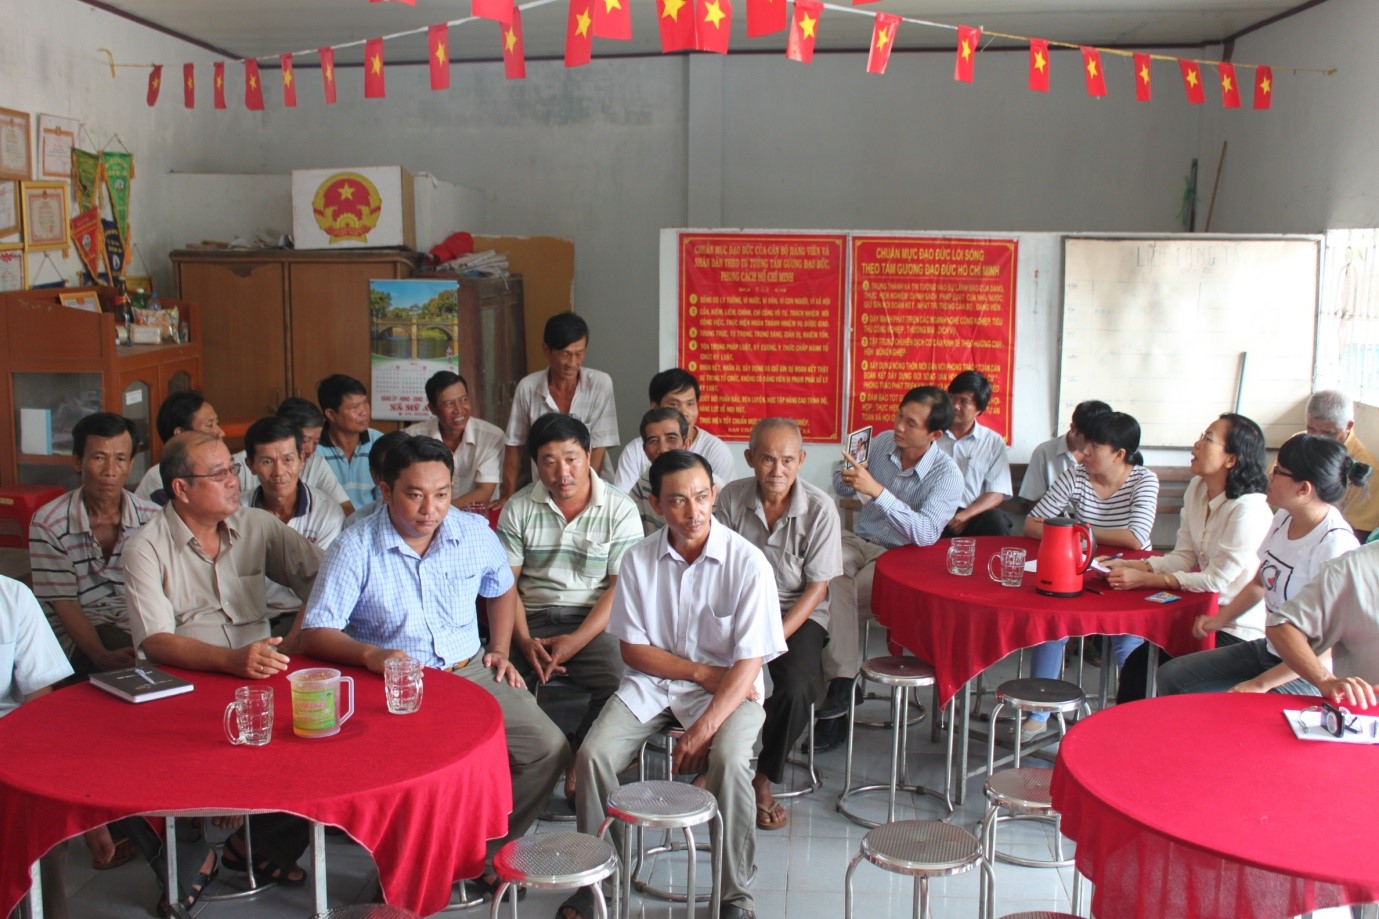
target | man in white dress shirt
[
  {"x": 982, "y": 456},
  {"x": 677, "y": 389},
  {"x": 185, "y": 410},
  {"x": 476, "y": 445},
  {"x": 698, "y": 615}
]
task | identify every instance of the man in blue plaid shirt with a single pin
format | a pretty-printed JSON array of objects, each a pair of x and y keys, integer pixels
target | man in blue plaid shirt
[{"x": 404, "y": 583}]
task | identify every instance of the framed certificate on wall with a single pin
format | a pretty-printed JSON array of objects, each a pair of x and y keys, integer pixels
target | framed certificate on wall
[
  {"x": 14, "y": 273},
  {"x": 14, "y": 145},
  {"x": 9, "y": 207},
  {"x": 56, "y": 138},
  {"x": 45, "y": 215}
]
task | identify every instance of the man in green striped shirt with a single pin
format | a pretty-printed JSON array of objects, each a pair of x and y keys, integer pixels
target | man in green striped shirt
[{"x": 565, "y": 535}]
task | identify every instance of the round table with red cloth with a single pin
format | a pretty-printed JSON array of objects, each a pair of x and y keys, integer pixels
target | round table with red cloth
[
  {"x": 422, "y": 792},
  {"x": 1207, "y": 807},
  {"x": 962, "y": 625}
]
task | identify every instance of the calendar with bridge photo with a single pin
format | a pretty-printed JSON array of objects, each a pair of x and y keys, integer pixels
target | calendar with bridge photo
[{"x": 414, "y": 327}]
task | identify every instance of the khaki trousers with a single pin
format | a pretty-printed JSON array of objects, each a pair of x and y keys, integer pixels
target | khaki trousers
[{"x": 849, "y": 598}]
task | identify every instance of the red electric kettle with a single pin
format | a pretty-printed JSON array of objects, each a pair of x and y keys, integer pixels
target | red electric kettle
[{"x": 1065, "y": 552}]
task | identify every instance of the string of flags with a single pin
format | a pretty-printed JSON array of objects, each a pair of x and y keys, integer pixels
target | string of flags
[{"x": 706, "y": 25}]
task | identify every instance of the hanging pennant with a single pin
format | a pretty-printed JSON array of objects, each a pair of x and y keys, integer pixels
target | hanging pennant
[
  {"x": 289, "y": 81},
  {"x": 114, "y": 250},
  {"x": 1230, "y": 90},
  {"x": 1264, "y": 86},
  {"x": 714, "y": 25},
  {"x": 765, "y": 17},
  {"x": 497, "y": 10},
  {"x": 676, "y": 19},
  {"x": 1038, "y": 65},
  {"x": 219, "y": 84},
  {"x": 1091, "y": 69},
  {"x": 189, "y": 85},
  {"x": 579, "y": 37},
  {"x": 1192, "y": 82},
  {"x": 1144, "y": 89},
  {"x": 88, "y": 175},
  {"x": 253, "y": 89},
  {"x": 965, "y": 61},
  {"x": 882, "y": 41},
  {"x": 514, "y": 54},
  {"x": 438, "y": 45},
  {"x": 155, "y": 83},
  {"x": 119, "y": 170},
  {"x": 89, "y": 237},
  {"x": 613, "y": 19},
  {"x": 373, "y": 69},
  {"x": 804, "y": 31},
  {"x": 327, "y": 56}
]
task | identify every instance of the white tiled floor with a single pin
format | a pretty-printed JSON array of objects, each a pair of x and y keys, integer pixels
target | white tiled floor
[{"x": 800, "y": 868}]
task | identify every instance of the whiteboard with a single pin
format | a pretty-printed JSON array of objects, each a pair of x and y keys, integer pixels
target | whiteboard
[{"x": 1161, "y": 328}]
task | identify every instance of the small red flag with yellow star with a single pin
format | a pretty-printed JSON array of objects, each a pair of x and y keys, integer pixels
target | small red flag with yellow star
[
  {"x": 438, "y": 43},
  {"x": 882, "y": 41},
  {"x": 965, "y": 61},
  {"x": 1230, "y": 90},
  {"x": 219, "y": 68},
  {"x": 155, "y": 83},
  {"x": 1091, "y": 69},
  {"x": 1192, "y": 82},
  {"x": 374, "y": 87},
  {"x": 189, "y": 85},
  {"x": 1039, "y": 65},
  {"x": 253, "y": 89},
  {"x": 579, "y": 33},
  {"x": 1264, "y": 86},
  {"x": 804, "y": 30},
  {"x": 765, "y": 17},
  {"x": 1144, "y": 89},
  {"x": 713, "y": 24},
  {"x": 514, "y": 54},
  {"x": 327, "y": 56},
  {"x": 613, "y": 19},
  {"x": 676, "y": 19},
  {"x": 289, "y": 81},
  {"x": 497, "y": 10}
]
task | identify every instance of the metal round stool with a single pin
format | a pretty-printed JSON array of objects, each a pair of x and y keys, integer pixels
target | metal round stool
[
  {"x": 1036, "y": 695},
  {"x": 923, "y": 849},
  {"x": 668, "y": 806},
  {"x": 901, "y": 674},
  {"x": 1040, "y": 915},
  {"x": 1024, "y": 794},
  {"x": 369, "y": 911},
  {"x": 556, "y": 861}
]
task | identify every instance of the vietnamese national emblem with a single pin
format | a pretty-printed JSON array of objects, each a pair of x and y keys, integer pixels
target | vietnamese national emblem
[{"x": 346, "y": 207}]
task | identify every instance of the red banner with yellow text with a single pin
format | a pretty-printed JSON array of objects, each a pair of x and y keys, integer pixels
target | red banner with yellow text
[
  {"x": 761, "y": 317},
  {"x": 924, "y": 309}
]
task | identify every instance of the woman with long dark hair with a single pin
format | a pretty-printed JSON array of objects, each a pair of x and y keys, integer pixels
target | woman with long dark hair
[
  {"x": 1224, "y": 520},
  {"x": 1311, "y": 474}
]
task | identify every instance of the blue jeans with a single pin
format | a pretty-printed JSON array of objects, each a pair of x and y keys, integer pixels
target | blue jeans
[
  {"x": 1048, "y": 659},
  {"x": 1219, "y": 670}
]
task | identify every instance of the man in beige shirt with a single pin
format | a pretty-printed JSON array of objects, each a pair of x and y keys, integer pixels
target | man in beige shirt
[{"x": 195, "y": 589}]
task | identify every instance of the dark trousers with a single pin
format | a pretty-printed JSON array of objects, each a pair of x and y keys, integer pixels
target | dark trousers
[
  {"x": 797, "y": 681},
  {"x": 1134, "y": 676},
  {"x": 278, "y": 838},
  {"x": 112, "y": 637},
  {"x": 993, "y": 522}
]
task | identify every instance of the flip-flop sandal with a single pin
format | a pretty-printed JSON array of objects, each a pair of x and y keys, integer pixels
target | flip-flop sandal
[
  {"x": 124, "y": 851},
  {"x": 773, "y": 817}
]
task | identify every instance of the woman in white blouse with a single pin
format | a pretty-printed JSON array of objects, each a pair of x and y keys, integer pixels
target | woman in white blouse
[{"x": 1224, "y": 520}]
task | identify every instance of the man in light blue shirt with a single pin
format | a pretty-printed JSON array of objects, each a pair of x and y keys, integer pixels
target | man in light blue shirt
[
  {"x": 911, "y": 490},
  {"x": 347, "y": 438},
  {"x": 404, "y": 582}
]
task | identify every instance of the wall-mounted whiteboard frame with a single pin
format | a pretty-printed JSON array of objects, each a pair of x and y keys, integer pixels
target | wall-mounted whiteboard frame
[{"x": 1175, "y": 330}]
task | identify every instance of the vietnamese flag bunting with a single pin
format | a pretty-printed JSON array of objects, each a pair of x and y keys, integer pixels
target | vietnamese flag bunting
[
  {"x": 613, "y": 19},
  {"x": 1091, "y": 69},
  {"x": 497, "y": 10},
  {"x": 579, "y": 33},
  {"x": 438, "y": 41},
  {"x": 1230, "y": 90},
  {"x": 514, "y": 55},
  {"x": 676, "y": 19},
  {"x": 374, "y": 87},
  {"x": 155, "y": 83},
  {"x": 765, "y": 17},
  {"x": 189, "y": 85},
  {"x": 289, "y": 81},
  {"x": 1038, "y": 65},
  {"x": 804, "y": 30},
  {"x": 253, "y": 90},
  {"x": 327, "y": 56},
  {"x": 1144, "y": 89},
  {"x": 1192, "y": 82},
  {"x": 714, "y": 25},
  {"x": 1264, "y": 86},
  {"x": 882, "y": 41},
  {"x": 966, "y": 59},
  {"x": 219, "y": 69}
]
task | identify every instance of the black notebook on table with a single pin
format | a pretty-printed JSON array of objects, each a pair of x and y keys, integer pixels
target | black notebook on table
[{"x": 140, "y": 684}]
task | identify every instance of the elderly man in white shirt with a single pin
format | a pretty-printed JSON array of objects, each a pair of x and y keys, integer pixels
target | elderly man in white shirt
[{"x": 698, "y": 614}]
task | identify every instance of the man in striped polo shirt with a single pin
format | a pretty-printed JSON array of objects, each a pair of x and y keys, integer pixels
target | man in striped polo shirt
[
  {"x": 76, "y": 547},
  {"x": 565, "y": 536}
]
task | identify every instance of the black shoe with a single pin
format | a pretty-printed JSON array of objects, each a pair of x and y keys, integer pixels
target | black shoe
[
  {"x": 830, "y": 734},
  {"x": 836, "y": 701}
]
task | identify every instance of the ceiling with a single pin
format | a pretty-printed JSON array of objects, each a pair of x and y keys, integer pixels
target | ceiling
[{"x": 265, "y": 28}]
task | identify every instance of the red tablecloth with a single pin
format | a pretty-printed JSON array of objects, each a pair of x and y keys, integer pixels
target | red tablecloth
[
  {"x": 422, "y": 792},
  {"x": 1207, "y": 807},
  {"x": 962, "y": 625}
]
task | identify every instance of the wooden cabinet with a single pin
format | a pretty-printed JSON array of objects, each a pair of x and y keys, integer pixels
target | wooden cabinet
[
  {"x": 61, "y": 364},
  {"x": 277, "y": 322},
  {"x": 492, "y": 343}
]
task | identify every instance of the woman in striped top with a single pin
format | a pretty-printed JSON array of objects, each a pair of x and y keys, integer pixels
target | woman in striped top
[{"x": 1113, "y": 493}]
